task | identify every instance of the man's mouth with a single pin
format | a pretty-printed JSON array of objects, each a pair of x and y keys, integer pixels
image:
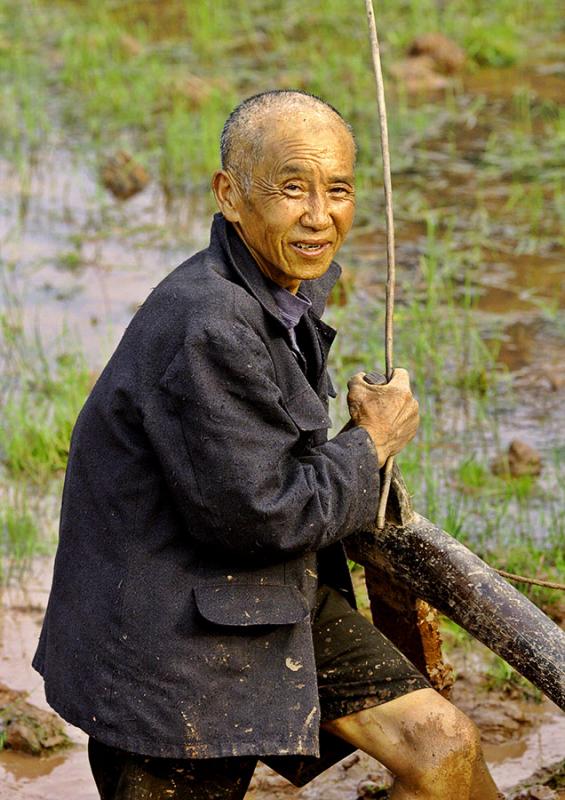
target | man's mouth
[{"x": 310, "y": 248}]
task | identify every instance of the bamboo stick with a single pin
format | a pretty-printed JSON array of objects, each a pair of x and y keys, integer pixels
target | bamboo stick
[{"x": 390, "y": 250}]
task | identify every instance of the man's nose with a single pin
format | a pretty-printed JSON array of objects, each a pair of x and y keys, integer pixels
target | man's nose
[{"x": 316, "y": 213}]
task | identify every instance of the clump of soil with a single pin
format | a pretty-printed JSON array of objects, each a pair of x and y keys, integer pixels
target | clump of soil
[
  {"x": 546, "y": 784},
  {"x": 191, "y": 91},
  {"x": 123, "y": 176},
  {"x": 431, "y": 57},
  {"x": 446, "y": 55},
  {"x": 372, "y": 790},
  {"x": 501, "y": 713},
  {"x": 521, "y": 459},
  {"x": 26, "y": 728}
]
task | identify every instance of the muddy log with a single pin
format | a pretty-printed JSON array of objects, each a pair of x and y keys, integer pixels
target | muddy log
[
  {"x": 411, "y": 624},
  {"x": 435, "y": 567}
]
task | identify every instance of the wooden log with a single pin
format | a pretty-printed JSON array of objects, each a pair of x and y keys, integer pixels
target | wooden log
[
  {"x": 411, "y": 624},
  {"x": 408, "y": 621},
  {"x": 433, "y": 566}
]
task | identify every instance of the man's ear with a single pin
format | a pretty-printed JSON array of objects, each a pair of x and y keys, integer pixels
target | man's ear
[{"x": 227, "y": 194}]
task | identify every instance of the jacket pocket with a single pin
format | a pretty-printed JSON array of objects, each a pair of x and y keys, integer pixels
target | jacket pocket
[
  {"x": 245, "y": 605},
  {"x": 307, "y": 411}
]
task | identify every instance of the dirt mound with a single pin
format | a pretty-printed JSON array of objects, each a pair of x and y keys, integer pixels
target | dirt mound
[
  {"x": 546, "y": 784},
  {"x": 431, "y": 57},
  {"x": 123, "y": 176},
  {"x": 26, "y": 728},
  {"x": 446, "y": 55}
]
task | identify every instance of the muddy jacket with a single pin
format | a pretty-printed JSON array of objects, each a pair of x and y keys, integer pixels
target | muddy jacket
[{"x": 199, "y": 489}]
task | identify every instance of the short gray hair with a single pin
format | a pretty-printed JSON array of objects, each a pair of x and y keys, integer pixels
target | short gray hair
[{"x": 241, "y": 142}]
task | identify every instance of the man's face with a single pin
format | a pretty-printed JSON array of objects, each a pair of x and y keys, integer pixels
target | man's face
[{"x": 302, "y": 199}]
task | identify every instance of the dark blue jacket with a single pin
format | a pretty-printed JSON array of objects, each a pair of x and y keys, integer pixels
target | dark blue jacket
[{"x": 199, "y": 490}]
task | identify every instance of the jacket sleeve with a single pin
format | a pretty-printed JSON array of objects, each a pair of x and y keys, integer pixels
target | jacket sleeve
[{"x": 233, "y": 457}]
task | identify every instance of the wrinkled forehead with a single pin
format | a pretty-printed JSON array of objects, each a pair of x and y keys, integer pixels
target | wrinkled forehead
[{"x": 305, "y": 134}]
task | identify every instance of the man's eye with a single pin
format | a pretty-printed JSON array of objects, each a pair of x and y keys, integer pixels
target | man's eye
[
  {"x": 292, "y": 187},
  {"x": 339, "y": 190}
]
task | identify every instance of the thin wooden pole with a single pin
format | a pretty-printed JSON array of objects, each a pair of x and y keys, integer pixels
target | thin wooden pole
[{"x": 390, "y": 251}]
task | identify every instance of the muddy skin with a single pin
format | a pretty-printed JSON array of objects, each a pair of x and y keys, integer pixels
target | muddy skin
[{"x": 432, "y": 748}]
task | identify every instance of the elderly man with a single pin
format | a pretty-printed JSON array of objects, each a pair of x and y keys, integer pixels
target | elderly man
[{"x": 201, "y": 615}]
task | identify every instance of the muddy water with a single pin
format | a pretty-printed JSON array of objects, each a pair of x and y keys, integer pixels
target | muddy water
[
  {"x": 71, "y": 256},
  {"x": 60, "y": 777},
  {"x": 514, "y": 761}
]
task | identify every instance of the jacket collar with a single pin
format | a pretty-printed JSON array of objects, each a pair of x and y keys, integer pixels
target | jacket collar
[{"x": 240, "y": 259}]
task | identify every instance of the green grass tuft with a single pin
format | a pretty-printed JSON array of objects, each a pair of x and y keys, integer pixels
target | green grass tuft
[
  {"x": 20, "y": 538},
  {"x": 38, "y": 419}
]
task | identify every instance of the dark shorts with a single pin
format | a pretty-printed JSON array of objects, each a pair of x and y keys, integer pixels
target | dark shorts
[{"x": 357, "y": 668}]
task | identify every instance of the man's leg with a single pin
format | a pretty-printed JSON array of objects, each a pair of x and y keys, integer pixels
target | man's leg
[
  {"x": 431, "y": 747},
  {"x": 120, "y": 775}
]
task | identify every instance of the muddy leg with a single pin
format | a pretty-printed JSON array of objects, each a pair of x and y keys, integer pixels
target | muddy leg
[{"x": 430, "y": 747}]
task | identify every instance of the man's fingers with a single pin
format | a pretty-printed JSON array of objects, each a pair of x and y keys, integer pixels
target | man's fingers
[
  {"x": 389, "y": 412},
  {"x": 375, "y": 378},
  {"x": 400, "y": 378},
  {"x": 356, "y": 380}
]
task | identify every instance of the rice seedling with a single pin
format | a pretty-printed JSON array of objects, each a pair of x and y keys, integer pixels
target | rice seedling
[
  {"x": 99, "y": 69},
  {"x": 38, "y": 417},
  {"x": 41, "y": 395},
  {"x": 20, "y": 537}
]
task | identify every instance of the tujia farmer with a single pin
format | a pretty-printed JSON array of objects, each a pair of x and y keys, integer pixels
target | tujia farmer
[{"x": 202, "y": 615}]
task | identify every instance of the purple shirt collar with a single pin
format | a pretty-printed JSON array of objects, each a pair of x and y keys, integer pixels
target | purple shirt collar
[{"x": 291, "y": 306}]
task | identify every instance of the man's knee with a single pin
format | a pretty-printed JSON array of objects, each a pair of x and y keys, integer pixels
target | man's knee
[
  {"x": 439, "y": 742},
  {"x": 420, "y": 737}
]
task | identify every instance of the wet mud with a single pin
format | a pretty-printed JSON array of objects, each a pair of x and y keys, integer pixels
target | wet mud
[{"x": 27, "y": 729}]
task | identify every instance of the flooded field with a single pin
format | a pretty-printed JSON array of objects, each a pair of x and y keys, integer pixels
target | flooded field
[{"x": 480, "y": 322}]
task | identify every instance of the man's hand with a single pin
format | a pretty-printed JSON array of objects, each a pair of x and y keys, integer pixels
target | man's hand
[{"x": 388, "y": 412}]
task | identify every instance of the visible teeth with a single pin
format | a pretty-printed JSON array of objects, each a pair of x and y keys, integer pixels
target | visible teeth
[{"x": 308, "y": 246}]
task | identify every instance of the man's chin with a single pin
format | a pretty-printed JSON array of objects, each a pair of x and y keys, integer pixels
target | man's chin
[
  {"x": 312, "y": 271},
  {"x": 306, "y": 269}
]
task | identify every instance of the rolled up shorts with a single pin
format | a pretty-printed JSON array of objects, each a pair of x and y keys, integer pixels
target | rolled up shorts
[{"x": 357, "y": 668}]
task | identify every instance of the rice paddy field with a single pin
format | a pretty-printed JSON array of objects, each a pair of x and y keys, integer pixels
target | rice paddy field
[{"x": 478, "y": 189}]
